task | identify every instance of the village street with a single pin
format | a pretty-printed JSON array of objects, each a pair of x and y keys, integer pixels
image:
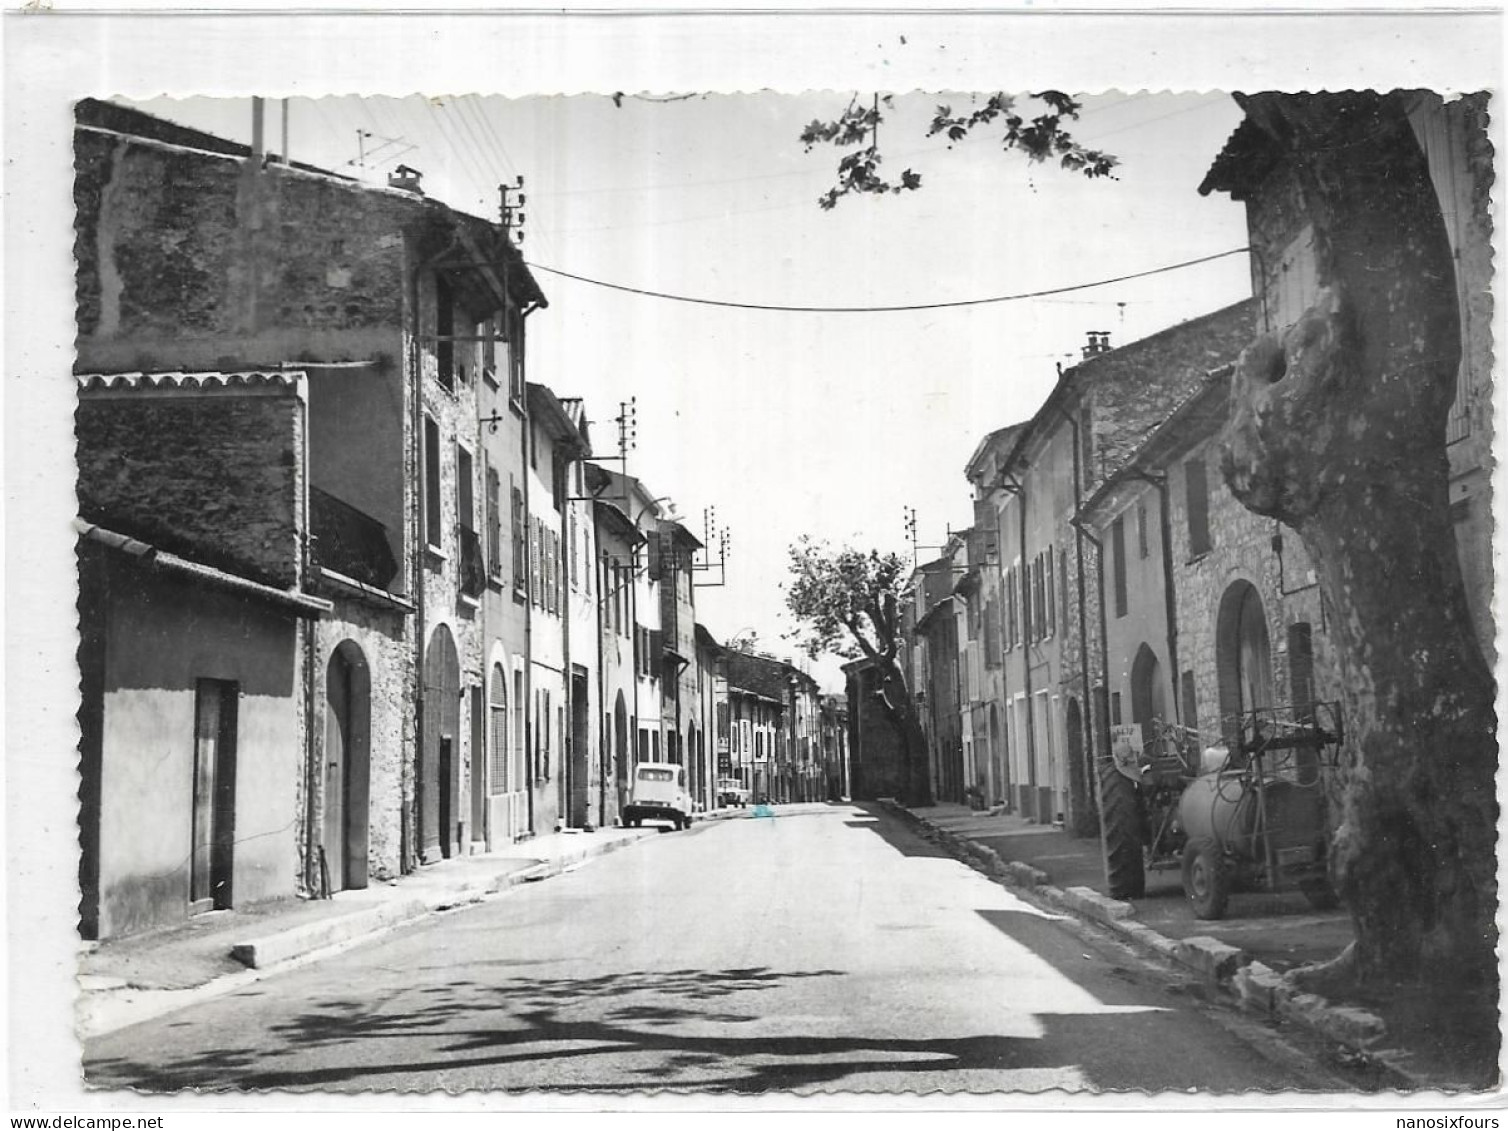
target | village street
[{"x": 824, "y": 948}]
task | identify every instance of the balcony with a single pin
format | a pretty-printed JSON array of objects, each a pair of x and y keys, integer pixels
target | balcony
[{"x": 349, "y": 541}]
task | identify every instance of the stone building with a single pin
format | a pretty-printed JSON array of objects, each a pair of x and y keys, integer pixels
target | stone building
[
  {"x": 1211, "y": 612},
  {"x": 197, "y": 254},
  {"x": 1031, "y": 479}
]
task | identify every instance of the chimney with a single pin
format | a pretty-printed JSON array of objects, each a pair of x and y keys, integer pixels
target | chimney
[
  {"x": 1099, "y": 342},
  {"x": 407, "y": 179}
]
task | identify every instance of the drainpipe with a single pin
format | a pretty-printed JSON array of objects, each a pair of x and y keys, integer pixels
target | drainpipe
[
  {"x": 568, "y": 680},
  {"x": 307, "y": 631},
  {"x": 1169, "y": 594},
  {"x": 602, "y": 735}
]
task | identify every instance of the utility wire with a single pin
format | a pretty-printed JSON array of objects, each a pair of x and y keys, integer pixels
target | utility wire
[{"x": 887, "y": 309}]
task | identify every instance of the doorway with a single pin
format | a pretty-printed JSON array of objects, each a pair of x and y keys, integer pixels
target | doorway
[
  {"x": 347, "y": 767},
  {"x": 213, "y": 837},
  {"x": 439, "y": 783},
  {"x": 580, "y": 751}
]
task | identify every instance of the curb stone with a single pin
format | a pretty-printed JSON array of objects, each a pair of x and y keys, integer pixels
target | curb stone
[{"x": 1232, "y": 970}]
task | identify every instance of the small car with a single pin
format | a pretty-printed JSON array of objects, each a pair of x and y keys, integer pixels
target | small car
[
  {"x": 730, "y": 792},
  {"x": 658, "y": 793}
]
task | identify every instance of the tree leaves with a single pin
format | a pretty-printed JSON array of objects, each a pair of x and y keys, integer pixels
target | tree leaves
[
  {"x": 1039, "y": 138},
  {"x": 846, "y": 600}
]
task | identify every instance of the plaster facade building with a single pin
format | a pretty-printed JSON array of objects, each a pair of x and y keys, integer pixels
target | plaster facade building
[{"x": 195, "y": 640}]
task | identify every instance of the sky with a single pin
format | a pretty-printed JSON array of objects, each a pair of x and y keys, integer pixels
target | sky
[{"x": 784, "y": 424}]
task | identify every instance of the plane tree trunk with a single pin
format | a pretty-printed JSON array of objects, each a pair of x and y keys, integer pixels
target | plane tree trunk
[{"x": 1338, "y": 429}]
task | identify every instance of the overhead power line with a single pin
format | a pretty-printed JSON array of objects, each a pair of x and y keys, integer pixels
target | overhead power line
[{"x": 888, "y": 309}]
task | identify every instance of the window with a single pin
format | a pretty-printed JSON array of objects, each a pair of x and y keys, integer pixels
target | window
[
  {"x": 1141, "y": 530},
  {"x": 514, "y": 345},
  {"x": 520, "y": 537},
  {"x": 1190, "y": 703},
  {"x": 473, "y": 569},
  {"x": 433, "y": 523},
  {"x": 1199, "y": 507},
  {"x": 520, "y": 751},
  {"x": 1049, "y": 591},
  {"x": 465, "y": 501},
  {"x": 1300, "y": 665},
  {"x": 1115, "y": 708},
  {"x": 445, "y": 328},
  {"x": 575, "y": 572},
  {"x": 1118, "y": 563},
  {"x": 992, "y": 633},
  {"x": 494, "y": 524},
  {"x": 1012, "y": 616},
  {"x": 536, "y": 577}
]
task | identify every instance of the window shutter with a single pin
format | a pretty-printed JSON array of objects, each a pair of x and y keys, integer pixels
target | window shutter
[
  {"x": 1198, "y": 494},
  {"x": 519, "y": 533},
  {"x": 1049, "y": 592},
  {"x": 494, "y": 523}
]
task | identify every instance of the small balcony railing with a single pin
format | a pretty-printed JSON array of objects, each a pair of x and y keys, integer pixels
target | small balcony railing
[{"x": 349, "y": 541}]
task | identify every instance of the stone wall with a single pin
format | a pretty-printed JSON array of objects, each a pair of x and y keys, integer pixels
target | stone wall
[{"x": 213, "y": 475}]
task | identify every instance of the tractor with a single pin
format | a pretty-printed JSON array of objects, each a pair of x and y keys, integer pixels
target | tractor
[{"x": 1248, "y": 813}]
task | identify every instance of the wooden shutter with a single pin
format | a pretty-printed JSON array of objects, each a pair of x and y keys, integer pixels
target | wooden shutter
[{"x": 1198, "y": 497}]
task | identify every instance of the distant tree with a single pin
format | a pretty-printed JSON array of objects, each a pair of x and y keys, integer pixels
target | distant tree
[
  {"x": 848, "y": 603},
  {"x": 1040, "y": 136}
]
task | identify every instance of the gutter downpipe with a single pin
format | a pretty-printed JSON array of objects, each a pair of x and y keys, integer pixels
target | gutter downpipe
[
  {"x": 602, "y": 735},
  {"x": 307, "y": 631},
  {"x": 1017, "y": 488},
  {"x": 1169, "y": 594}
]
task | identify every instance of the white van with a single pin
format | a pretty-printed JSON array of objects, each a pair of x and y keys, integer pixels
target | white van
[{"x": 658, "y": 793}]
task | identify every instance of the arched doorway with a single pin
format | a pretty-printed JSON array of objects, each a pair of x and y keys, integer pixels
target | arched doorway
[
  {"x": 1243, "y": 656},
  {"x": 348, "y": 766},
  {"x": 439, "y": 776},
  {"x": 1147, "y": 699}
]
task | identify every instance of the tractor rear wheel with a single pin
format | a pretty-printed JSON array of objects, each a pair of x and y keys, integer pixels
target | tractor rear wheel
[
  {"x": 1206, "y": 879},
  {"x": 1120, "y": 812}
]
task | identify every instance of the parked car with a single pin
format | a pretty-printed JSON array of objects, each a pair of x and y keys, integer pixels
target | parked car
[
  {"x": 730, "y": 792},
  {"x": 658, "y": 794}
]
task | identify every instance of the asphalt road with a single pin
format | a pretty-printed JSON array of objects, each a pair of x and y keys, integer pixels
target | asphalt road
[{"x": 823, "y": 949}]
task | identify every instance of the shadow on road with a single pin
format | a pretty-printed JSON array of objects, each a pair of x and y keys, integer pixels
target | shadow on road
[{"x": 892, "y": 832}]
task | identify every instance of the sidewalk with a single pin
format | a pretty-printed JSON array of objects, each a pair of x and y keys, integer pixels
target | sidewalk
[
  {"x": 1246, "y": 954},
  {"x": 128, "y": 980}
]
